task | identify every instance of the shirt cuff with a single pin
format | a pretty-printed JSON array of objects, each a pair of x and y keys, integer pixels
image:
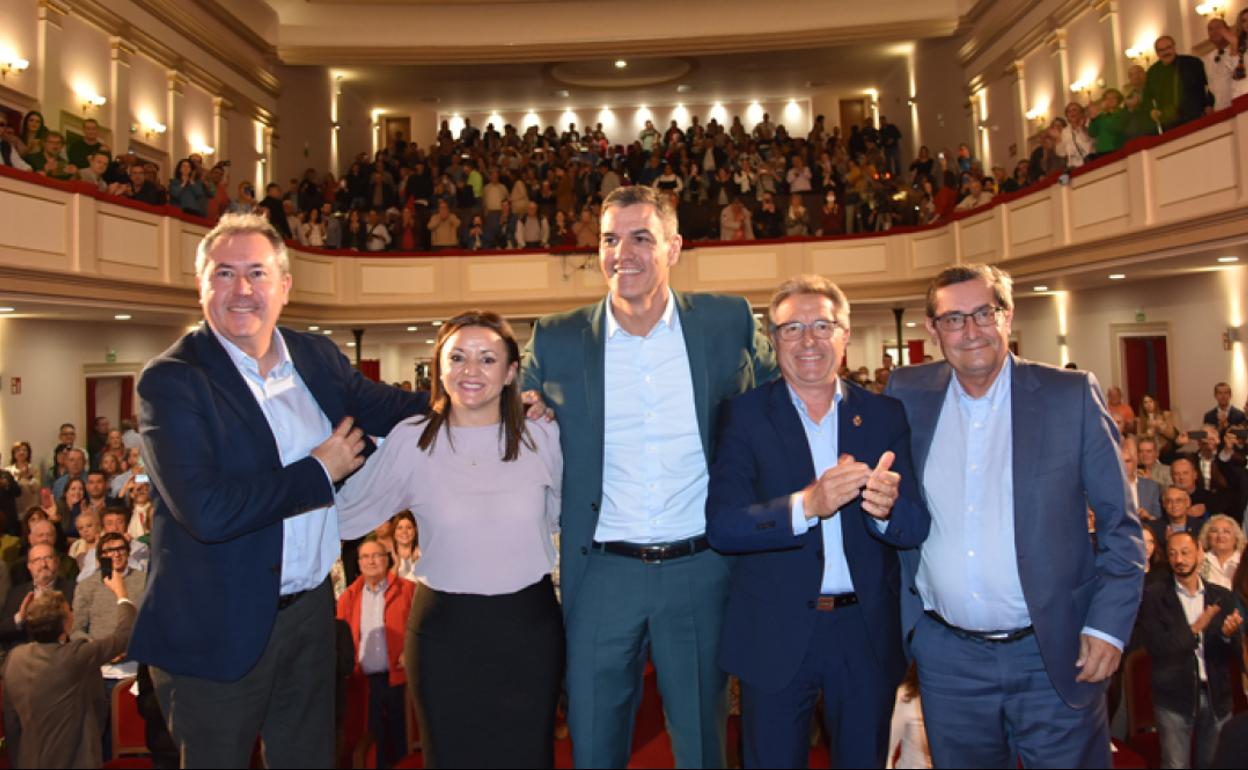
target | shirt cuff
[
  {"x": 1104, "y": 637},
  {"x": 126, "y": 601},
  {"x": 800, "y": 525}
]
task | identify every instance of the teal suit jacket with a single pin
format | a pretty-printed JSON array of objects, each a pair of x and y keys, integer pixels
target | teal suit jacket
[{"x": 728, "y": 355}]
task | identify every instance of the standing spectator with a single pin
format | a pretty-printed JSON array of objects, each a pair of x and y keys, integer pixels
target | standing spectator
[
  {"x": 1045, "y": 159},
  {"x": 1192, "y": 632},
  {"x": 10, "y": 155},
  {"x": 768, "y": 222},
  {"x": 831, "y": 216},
  {"x": 736, "y": 222},
  {"x": 1123, "y": 414},
  {"x": 333, "y": 227},
  {"x": 314, "y": 228},
  {"x": 52, "y": 685},
  {"x": 1075, "y": 144},
  {"x": 796, "y": 218},
  {"x": 32, "y": 133},
  {"x": 25, "y": 476},
  {"x": 83, "y": 147},
  {"x": 1220, "y": 63},
  {"x": 245, "y": 203},
  {"x": 444, "y": 228},
  {"x": 1150, "y": 467},
  {"x": 890, "y": 141},
  {"x": 1156, "y": 423},
  {"x": 310, "y": 194},
  {"x": 1225, "y": 414},
  {"x": 376, "y": 607},
  {"x": 218, "y": 187},
  {"x": 798, "y": 177},
  {"x": 977, "y": 196},
  {"x": 1239, "y": 47},
  {"x": 294, "y": 219},
  {"x": 532, "y": 229},
  {"x": 272, "y": 203},
  {"x": 1020, "y": 179},
  {"x": 186, "y": 191},
  {"x": 586, "y": 230},
  {"x": 376, "y": 235},
  {"x": 1108, "y": 127},
  {"x": 1144, "y": 494},
  {"x": 474, "y": 238},
  {"x": 1175, "y": 91},
  {"x": 1222, "y": 540},
  {"x": 907, "y": 738},
  {"x": 406, "y": 545}
]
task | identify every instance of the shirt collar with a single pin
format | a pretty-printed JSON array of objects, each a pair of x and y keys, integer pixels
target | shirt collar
[
  {"x": 997, "y": 394},
  {"x": 669, "y": 312},
  {"x": 381, "y": 587},
  {"x": 244, "y": 362},
  {"x": 1200, "y": 588},
  {"x": 800, "y": 405}
]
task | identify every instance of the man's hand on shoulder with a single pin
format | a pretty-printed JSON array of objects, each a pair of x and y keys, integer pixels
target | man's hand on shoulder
[
  {"x": 535, "y": 407},
  {"x": 342, "y": 452}
]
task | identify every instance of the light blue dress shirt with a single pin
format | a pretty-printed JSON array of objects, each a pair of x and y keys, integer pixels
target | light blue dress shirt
[
  {"x": 968, "y": 571},
  {"x": 654, "y": 469},
  {"x": 374, "y": 655},
  {"x": 310, "y": 541},
  {"x": 823, "y": 439}
]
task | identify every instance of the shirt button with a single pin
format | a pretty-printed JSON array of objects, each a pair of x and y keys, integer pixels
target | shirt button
[
  {"x": 970, "y": 509},
  {"x": 647, "y": 378},
  {"x": 977, "y": 425},
  {"x": 974, "y": 466},
  {"x": 970, "y": 553},
  {"x": 974, "y": 596}
]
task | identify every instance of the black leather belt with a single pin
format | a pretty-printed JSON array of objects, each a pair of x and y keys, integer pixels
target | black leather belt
[
  {"x": 998, "y": 637},
  {"x": 655, "y": 553},
  {"x": 829, "y": 602},
  {"x": 286, "y": 600}
]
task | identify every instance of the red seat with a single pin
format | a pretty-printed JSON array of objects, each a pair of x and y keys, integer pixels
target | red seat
[
  {"x": 1137, "y": 689},
  {"x": 129, "y": 729}
]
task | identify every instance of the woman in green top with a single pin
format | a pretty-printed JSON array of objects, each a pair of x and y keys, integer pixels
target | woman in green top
[{"x": 1109, "y": 123}]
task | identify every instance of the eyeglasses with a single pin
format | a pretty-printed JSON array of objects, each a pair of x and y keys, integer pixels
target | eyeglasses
[
  {"x": 821, "y": 329},
  {"x": 115, "y": 551},
  {"x": 372, "y": 556},
  {"x": 42, "y": 559},
  {"x": 984, "y": 317}
]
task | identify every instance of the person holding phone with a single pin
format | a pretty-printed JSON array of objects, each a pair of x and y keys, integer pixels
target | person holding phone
[
  {"x": 1193, "y": 633},
  {"x": 484, "y": 645}
]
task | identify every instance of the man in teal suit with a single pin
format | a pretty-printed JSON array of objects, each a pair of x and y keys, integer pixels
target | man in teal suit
[{"x": 636, "y": 382}]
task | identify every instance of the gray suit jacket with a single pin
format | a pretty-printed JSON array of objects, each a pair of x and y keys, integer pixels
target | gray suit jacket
[
  {"x": 1066, "y": 459},
  {"x": 52, "y": 698}
]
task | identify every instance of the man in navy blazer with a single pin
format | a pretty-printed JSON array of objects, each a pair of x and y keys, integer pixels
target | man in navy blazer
[
  {"x": 812, "y": 482},
  {"x": 238, "y": 438},
  {"x": 1015, "y": 620}
]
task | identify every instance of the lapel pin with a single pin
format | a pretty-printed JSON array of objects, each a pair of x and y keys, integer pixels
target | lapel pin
[{"x": 857, "y": 421}]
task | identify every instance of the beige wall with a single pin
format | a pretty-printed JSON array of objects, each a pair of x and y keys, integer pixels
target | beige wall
[
  {"x": 305, "y": 131},
  {"x": 943, "y": 119}
]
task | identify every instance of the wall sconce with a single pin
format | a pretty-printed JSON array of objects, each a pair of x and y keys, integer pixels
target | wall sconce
[
  {"x": 1081, "y": 87},
  {"x": 1211, "y": 8},
  {"x": 12, "y": 65},
  {"x": 1037, "y": 116},
  {"x": 154, "y": 129},
  {"x": 203, "y": 149},
  {"x": 89, "y": 98},
  {"x": 1140, "y": 56}
]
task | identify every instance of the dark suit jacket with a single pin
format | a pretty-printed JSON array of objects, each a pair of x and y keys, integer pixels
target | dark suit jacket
[
  {"x": 1066, "y": 460},
  {"x": 763, "y": 458},
  {"x": 10, "y": 634},
  {"x": 564, "y": 359},
  {"x": 1172, "y": 646},
  {"x": 1234, "y": 416},
  {"x": 216, "y": 564}
]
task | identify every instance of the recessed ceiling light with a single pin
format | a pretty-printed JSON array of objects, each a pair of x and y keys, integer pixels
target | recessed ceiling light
[
  {"x": 327, "y": 331},
  {"x": 350, "y": 344},
  {"x": 1228, "y": 260},
  {"x": 430, "y": 342},
  {"x": 1041, "y": 287},
  {"x": 437, "y": 323},
  {"x": 1117, "y": 276},
  {"x": 7, "y": 309},
  {"x": 413, "y": 328},
  {"x": 122, "y": 316},
  {"x": 620, "y": 64},
  {"x": 314, "y": 328},
  {"x": 911, "y": 324}
]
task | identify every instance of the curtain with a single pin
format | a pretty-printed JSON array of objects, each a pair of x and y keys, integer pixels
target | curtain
[
  {"x": 126, "y": 411},
  {"x": 90, "y": 426},
  {"x": 371, "y": 368},
  {"x": 914, "y": 351}
]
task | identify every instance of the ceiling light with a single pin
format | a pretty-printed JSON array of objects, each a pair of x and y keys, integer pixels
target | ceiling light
[
  {"x": 350, "y": 344},
  {"x": 437, "y": 323},
  {"x": 7, "y": 309},
  {"x": 327, "y": 332},
  {"x": 1117, "y": 276},
  {"x": 430, "y": 342},
  {"x": 314, "y": 328},
  {"x": 412, "y": 328},
  {"x": 122, "y": 316},
  {"x": 911, "y": 324},
  {"x": 620, "y": 64},
  {"x": 1041, "y": 287},
  {"x": 1228, "y": 260}
]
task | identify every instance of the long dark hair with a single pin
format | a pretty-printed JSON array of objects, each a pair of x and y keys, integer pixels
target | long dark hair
[{"x": 510, "y": 408}]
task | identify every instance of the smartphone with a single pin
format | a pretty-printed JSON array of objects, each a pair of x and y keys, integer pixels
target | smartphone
[
  {"x": 140, "y": 478},
  {"x": 1239, "y": 433},
  {"x": 1196, "y": 435},
  {"x": 106, "y": 568}
]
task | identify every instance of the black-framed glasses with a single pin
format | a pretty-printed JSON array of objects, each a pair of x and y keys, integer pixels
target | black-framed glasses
[
  {"x": 115, "y": 551},
  {"x": 820, "y": 329},
  {"x": 984, "y": 317}
]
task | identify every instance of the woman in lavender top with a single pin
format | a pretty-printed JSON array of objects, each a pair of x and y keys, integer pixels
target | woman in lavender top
[{"x": 484, "y": 647}]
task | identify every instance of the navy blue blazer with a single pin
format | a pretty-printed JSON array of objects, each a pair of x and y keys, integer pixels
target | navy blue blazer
[
  {"x": 761, "y": 460},
  {"x": 221, "y": 495},
  {"x": 1066, "y": 460}
]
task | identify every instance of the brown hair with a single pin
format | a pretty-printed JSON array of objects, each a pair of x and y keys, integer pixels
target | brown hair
[
  {"x": 105, "y": 539},
  {"x": 811, "y": 284},
  {"x": 636, "y": 195},
  {"x": 1000, "y": 281},
  {"x": 45, "y": 616},
  {"x": 510, "y": 407}
]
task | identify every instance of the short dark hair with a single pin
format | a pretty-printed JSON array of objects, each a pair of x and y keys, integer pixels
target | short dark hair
[
  {"x": 1181, "y": 532},
  {"x": 105, "y": 539},
  {"x": 635, "y": 195},
  {"x": 1000, "y": 281},
  {"x": 46, "y": 615}
]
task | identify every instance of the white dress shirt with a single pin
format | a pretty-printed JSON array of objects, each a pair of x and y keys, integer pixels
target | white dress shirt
[
  {"x": 1193, "y": 608},
  {"x": 374, "y": 656},
  {"x": 654, "y": 469},
  {"x": 1219, "y": 69},
  {"x": 310, "y": 541}
]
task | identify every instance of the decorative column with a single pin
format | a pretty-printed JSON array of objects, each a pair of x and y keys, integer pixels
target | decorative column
[
  {"x": 175, "y": 143},
  {"x": 119, "y": 116},
  {"x": 221, "y": 127},
  {"x": 1057, "y": 43},
  {"x": 1117, "y": 74},
  {"x": 1020, "y": 107},
  {"x": 49, "y": 83}
]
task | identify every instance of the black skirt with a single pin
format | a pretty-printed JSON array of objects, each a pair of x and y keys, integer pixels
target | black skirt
[{"x": 485, "y": 673}]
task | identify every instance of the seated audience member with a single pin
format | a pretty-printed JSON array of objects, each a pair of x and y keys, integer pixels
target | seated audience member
[
  {"x": 1193, "y": 634},
  {"x": 187, "y": 191},
  {"x": 976, "y": 197},
  {"x": 50, "y": 160},
  {"x": 1225, "y": 414},
  {"x": 1155, "y": 565},
  {"x": 88, "y": 524},
  {"x": 43, "y": 564},
  {"x": 1108, "y": 127},
  {"x": 92, "y": 172},
  {"x": 114, "y": 520},
  {"x": 245, "y": 203},
  {"x": 907, "y": 740},
  {"x": 532, "y": 229},
  {"x": 10, "y": 154},
  {"x": 376, "y": 607},
  {"x": 832, "y": 215},
  {"x": 141, "y": 509},
  {"x": 1180, "y": 516},
  {"x": 1145, "y": 494},
  {"x": 444, "y": 227},
  {"x": 1175, "y": 89},
  {"x": 406, "y": 544},
  {"x": 1020, "y": 179},
  {"x": 1149, "y": 466},
  {"x": 1123, "y": 414},
  {"x": 736, "y": 222},
  {"x": 81, "y": 148},
  {"x": 52, "y": 685},
  {"x": 1045, "y": 159},
  {"x": 1216, "y": 472},
  {"x": 141, "y": 188},
  {"x": 41, "y": 530},
  {"x": 1075, "y": 144},
  {"x": 1157, "y": 424},
  {"x": 1222, "y": 540}
]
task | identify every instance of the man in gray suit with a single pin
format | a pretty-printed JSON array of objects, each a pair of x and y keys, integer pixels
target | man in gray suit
[
  {"x": 1143, "y": 493},
  {"x": 636, "y": 381},
  {"x": 1015, "y": 621}
]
